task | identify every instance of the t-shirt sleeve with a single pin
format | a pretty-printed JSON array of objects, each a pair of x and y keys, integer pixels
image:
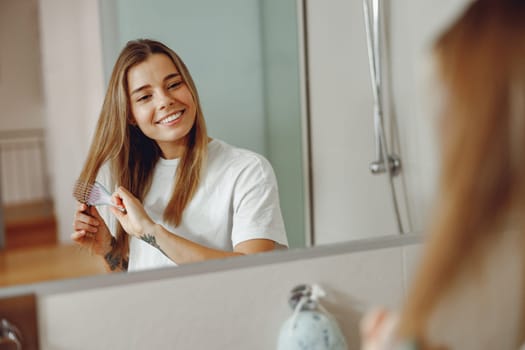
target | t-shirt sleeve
[{"x": 256, "y": 208}]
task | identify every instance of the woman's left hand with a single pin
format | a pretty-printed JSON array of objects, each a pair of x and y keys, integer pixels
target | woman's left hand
[{"x": 135, "y": 220}]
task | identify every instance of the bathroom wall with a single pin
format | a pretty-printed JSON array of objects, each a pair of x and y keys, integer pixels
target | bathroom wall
[
  {"x": 240, "y": 303},
  {"x": 416, "y": 93},
  {"x": 20, "y": 70},
  {"x": 73, "y": 94},
  {"x": 22, "y": 172},
  {"x": 346, "y": 194}
]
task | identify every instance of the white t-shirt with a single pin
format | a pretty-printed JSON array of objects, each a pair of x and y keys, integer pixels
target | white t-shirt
[{"x": 237, "y": 200}]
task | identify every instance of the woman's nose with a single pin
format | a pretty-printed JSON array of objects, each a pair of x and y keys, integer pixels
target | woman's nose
[{"x": 165, "y": 100}]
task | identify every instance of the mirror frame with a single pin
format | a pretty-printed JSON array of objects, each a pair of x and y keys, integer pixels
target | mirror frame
[{"x": 211, "y": 266}]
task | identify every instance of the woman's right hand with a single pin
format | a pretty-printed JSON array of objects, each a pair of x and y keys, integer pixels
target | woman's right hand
[{"x": 91, "y": 230}]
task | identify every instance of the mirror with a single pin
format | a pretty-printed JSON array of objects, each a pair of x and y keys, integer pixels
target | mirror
[
  {"x": 248, "y": 67},
  {"x": 245, "y": 64}
]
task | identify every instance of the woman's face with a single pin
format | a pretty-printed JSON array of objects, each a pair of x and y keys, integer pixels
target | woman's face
[{"x": 161, "y": 103}]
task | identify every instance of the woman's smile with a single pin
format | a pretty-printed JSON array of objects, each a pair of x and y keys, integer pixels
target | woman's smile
[{"x": 171, "y": 119}]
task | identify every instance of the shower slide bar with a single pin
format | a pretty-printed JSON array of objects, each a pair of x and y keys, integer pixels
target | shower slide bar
[{"x": 385, "y": 162}]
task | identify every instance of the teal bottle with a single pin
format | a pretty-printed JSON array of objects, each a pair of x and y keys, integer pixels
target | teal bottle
[{"x": 310, "y": 327}]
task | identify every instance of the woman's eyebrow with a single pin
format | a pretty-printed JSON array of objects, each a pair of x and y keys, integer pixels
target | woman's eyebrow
[
  {"x": 167, "y": 77},
  {"x": 170, "y": 76},
  {"x": 140, "y": 88}
]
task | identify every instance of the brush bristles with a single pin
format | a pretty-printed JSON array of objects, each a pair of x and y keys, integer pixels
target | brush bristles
[
  {"x": 82, "y": 191},
  {"x": 91, "y": 194}
]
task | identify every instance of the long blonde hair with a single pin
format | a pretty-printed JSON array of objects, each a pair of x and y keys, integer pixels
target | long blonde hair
[
  {"x": 131, "y": 155},
  {"x": 482, "y": 61}
]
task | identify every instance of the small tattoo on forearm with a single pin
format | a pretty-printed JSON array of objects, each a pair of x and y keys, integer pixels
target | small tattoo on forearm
[{"x": 151, "y": 240}]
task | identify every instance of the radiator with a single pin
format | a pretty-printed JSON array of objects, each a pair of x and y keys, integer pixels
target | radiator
[{"x": 23, "y": 174}]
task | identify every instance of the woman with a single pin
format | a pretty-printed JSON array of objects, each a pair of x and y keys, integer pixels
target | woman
[
  {"x": 469, "y": 292},
  {"x": 187, "y": 197}
]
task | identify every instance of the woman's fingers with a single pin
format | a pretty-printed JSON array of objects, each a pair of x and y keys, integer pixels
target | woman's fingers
[
  {"x": 90, "y": 230},
  {"x": 124, "y": 192},
  {"x": 123, "y": 196},
  {"x": 81, "y": 236},
  {"x": 378, "y": 330},
  {"x": 125, "y": 199},
  {"x": 118, "y": 213},
  {"x": 81, "y": 206},
  {"x": 372, "y": 321},
  {"x": 75, "y": 236},
  {"x": 77, "y": 226},
  {"x": 85, "y": 222},
  {"x": 135, "y": 217}
]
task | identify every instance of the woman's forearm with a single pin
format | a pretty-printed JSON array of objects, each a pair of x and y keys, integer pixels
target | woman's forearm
[
  {"x": 182, "y": 250},
  {"x": 179, "y": 249}
]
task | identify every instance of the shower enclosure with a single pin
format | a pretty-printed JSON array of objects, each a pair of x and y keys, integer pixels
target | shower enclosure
[{"x": 373, "y": 148}]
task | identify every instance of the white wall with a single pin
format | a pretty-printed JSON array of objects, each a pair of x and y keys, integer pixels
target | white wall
[
  {"x": 22, "y": 166},
  {"x": 21, "y": 96},
  {"x": 237, "y": 303},
  {"x": 73, "y": 94},
  {"x": 350, "y": 202},
  {"x": 414, "y": 26}
]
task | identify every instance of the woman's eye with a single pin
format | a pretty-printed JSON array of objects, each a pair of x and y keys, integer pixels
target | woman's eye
[
  {"x": 143, "y": 98},
  {"x": 174, "y": 85}
]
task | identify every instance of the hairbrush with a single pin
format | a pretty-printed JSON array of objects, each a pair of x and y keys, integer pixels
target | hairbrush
[{"x": 93, "y": 194}]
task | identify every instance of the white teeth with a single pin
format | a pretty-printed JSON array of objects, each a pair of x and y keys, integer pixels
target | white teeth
[{"x": 170, "y": 118}]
